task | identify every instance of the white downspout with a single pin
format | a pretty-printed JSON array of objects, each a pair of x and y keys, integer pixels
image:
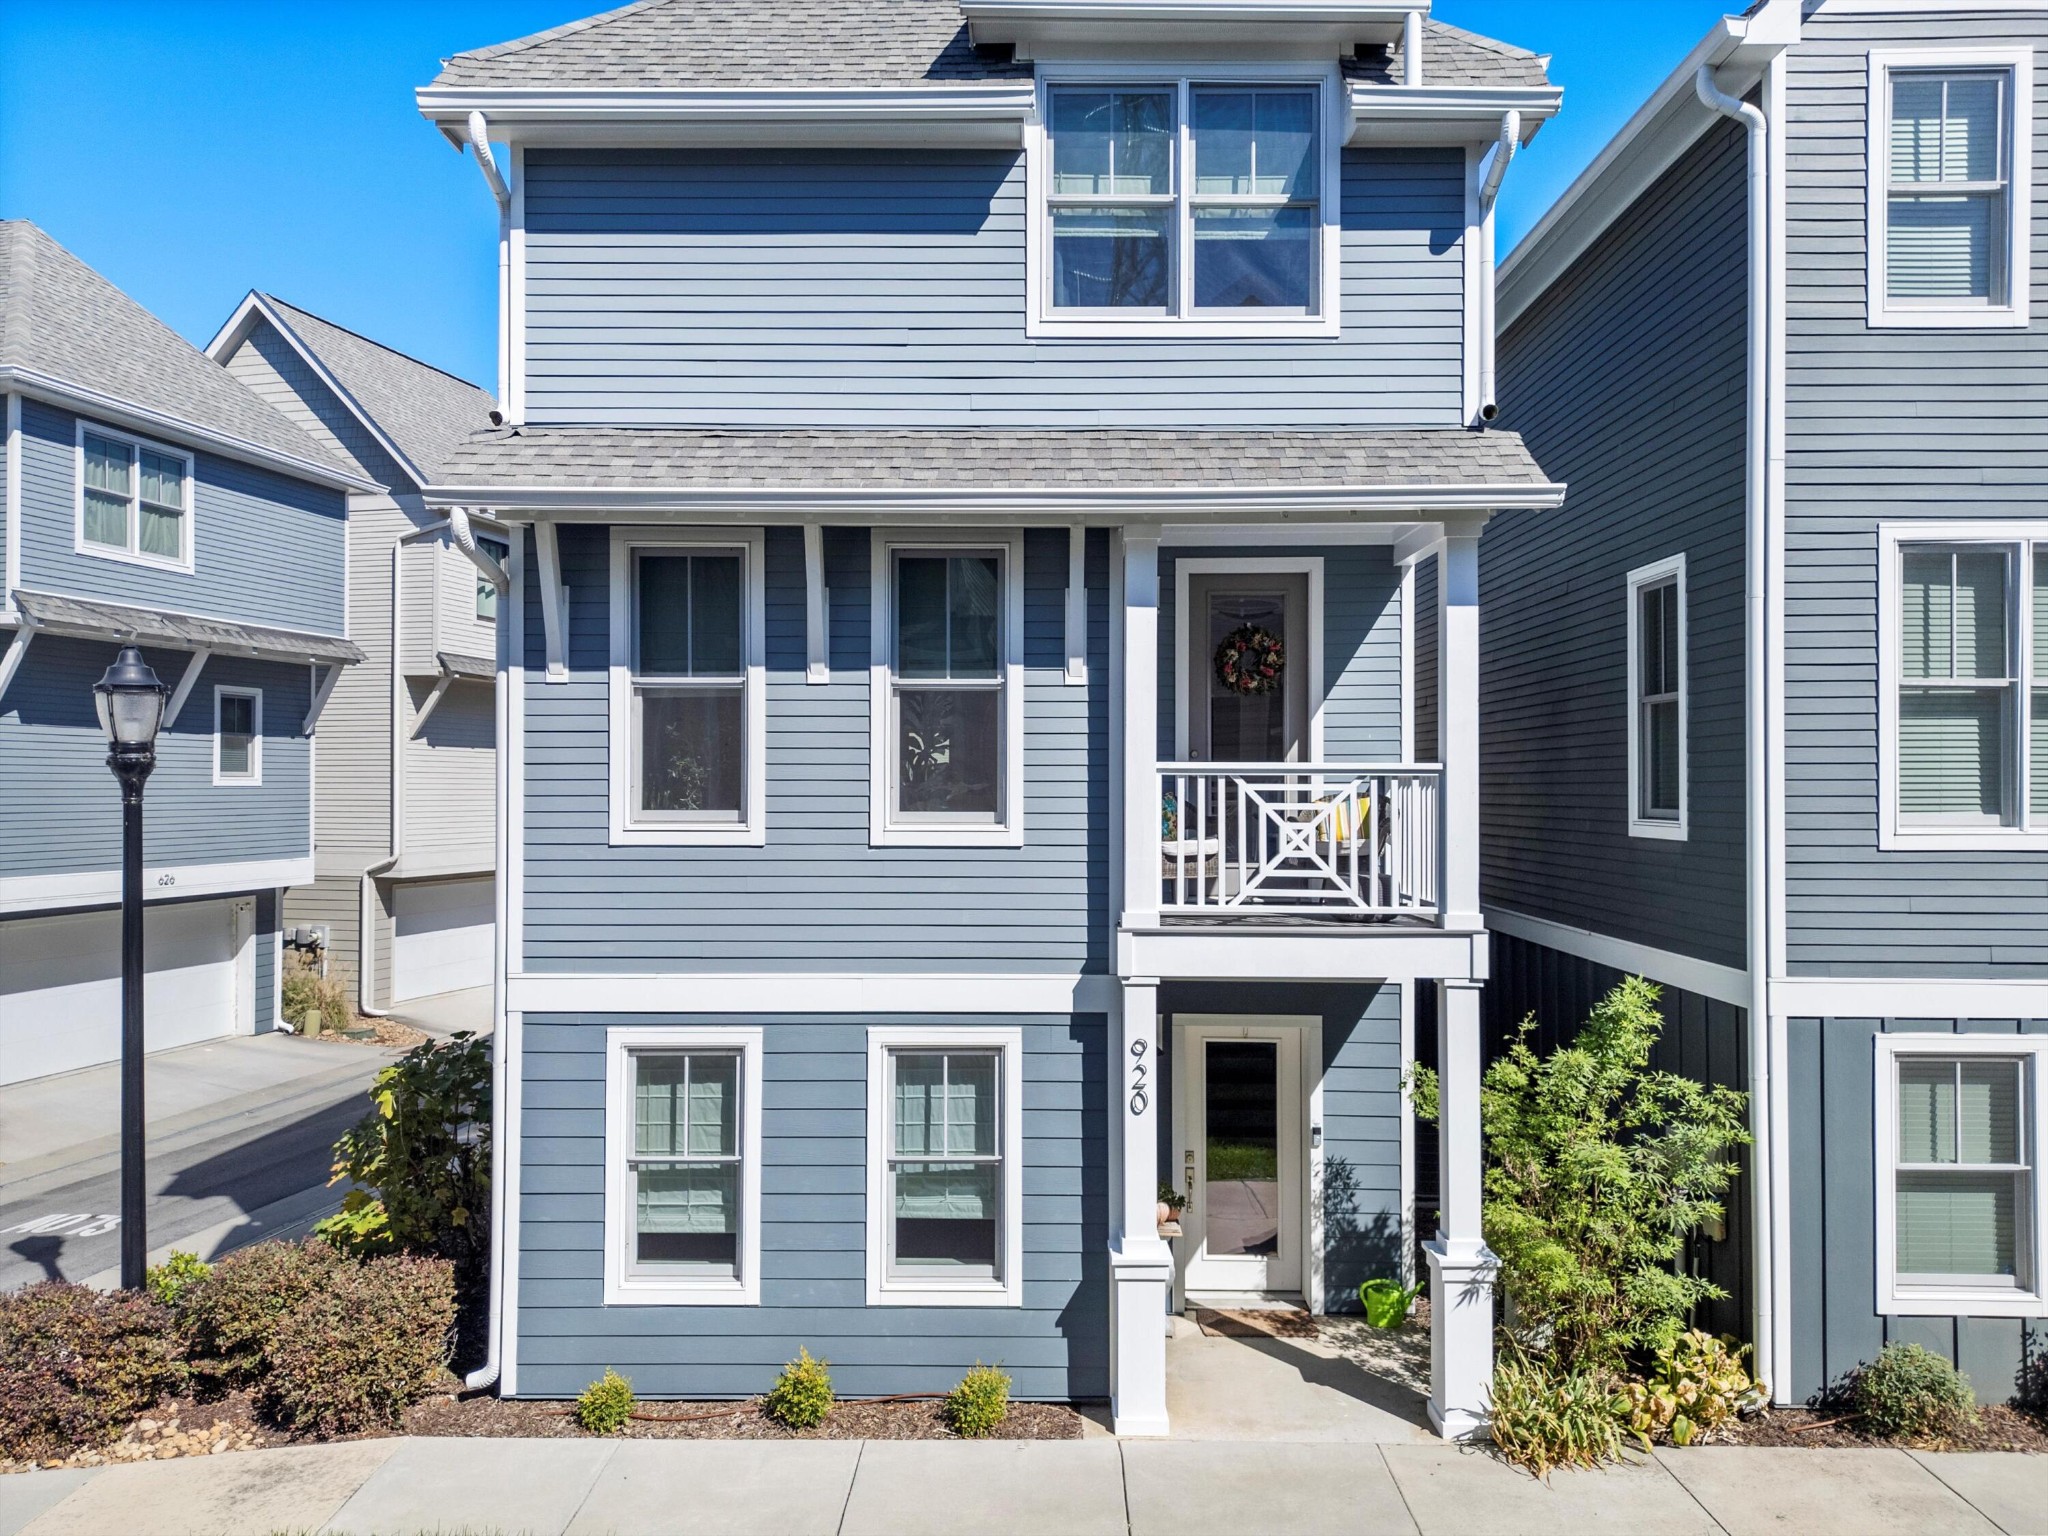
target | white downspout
[
  {"x": 480, "y": 142},
  {"x": 1758, "y": 784},
  {"x": 1491, "y": 170},
  {"x": 465, "y": 540},
  {"x": 1411, "y": 48}
]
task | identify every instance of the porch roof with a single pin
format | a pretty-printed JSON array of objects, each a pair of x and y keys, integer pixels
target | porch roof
[{"x": 59, "y": 614}]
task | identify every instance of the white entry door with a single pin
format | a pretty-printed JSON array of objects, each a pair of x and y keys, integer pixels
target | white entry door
[{"x": 1238, "y": 1111}]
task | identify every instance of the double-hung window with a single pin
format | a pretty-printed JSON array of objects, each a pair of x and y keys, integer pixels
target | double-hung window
[
  {"x": 1185, "y": 204},
  {"x": 1960, "y": 1198},
  {"x": 683, "y": 1164},
  {"x": 1949, "y": 187},
  {"x": 687, "y": 709},
  {"x": 134, "y": 500},
  {"x": 1657, "y": 702},
  {"x": 237, "y": 735},
  {"x": 945, "y": 1206}
]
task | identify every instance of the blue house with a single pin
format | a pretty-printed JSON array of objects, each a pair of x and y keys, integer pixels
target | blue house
[
  {"x": 150, "y": 500},
  {"x": 966, "y": 463},
  {"x": 1762, "y": 702}
]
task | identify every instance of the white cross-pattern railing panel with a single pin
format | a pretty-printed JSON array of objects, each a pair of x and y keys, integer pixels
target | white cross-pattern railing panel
[{"x": 1299, "y": 839}]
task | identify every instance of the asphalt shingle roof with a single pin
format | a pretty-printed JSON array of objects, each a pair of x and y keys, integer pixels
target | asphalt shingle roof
[
  {"x": 1452, "y": 56},
  {"x": 426, "y": 412},
  {"x": 61, "y": 319},
  {"x": 84, "y": 615},
  {"x": 710, "y": 459}
]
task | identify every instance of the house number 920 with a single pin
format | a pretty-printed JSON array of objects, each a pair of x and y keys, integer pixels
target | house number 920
[{"x": 1141, "y": 1076}]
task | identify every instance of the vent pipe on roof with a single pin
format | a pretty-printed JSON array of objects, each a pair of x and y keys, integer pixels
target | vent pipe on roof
[{"x": 1411, "y": 48}]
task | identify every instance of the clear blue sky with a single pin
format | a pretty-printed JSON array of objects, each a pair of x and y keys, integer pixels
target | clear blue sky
[{"x": 194, "y": 149}]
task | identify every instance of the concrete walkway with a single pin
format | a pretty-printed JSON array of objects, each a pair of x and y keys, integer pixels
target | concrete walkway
[{"x": 1073, "y": 1488}]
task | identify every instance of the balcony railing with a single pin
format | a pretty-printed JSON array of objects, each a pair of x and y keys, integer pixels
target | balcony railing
[{"x": 1260, "y": 840}]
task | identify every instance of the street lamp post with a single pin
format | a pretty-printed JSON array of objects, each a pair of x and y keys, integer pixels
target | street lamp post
[{"x": 131, "y": 707}]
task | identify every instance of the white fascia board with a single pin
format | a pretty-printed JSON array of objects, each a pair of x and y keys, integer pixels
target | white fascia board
[
  {"x": 1379, "y": 113},
  {"x": 1662, "y": 128},
  {"x": 794, "y": 992},
  {"x": 582, "y": 114},
  {"x": 160, "y": 882},
  {"x": 122, "y": 413}
]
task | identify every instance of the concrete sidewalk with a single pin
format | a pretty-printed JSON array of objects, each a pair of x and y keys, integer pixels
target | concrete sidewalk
[{"x": 1074, "y": 1488}]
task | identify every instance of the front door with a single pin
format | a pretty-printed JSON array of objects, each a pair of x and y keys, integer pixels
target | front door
[
  {"x": 1242, "y": 1159},
  {"x": 1225, "y": 724}
]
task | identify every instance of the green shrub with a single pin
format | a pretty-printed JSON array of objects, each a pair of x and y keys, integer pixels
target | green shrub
[
  {"x": 356, "y": 1354},
  {"x": 1697, "y": 1385},
  {"x": 802, "y": 1394},
  {"x": 1545, "y": 1416},
  {"x": 1911, "y": 1393},
  {"x": 169, "y": 1280},
  {"x": 980, "y": 1403},
  {"x": 606, "y": 1404},
  {"x": 77, "y": 1365},
  {"x": 420, "y": 1160},
  {"x": 2030, "y": 1382},
  {"x": 311, "y": 1000},
  {"x": 230, "y": 1317},
  {"x": 1596, "y": 1170}
]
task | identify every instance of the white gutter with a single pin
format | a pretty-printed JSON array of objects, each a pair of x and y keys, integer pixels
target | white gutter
[
  {"x": 1491, "y": 171},
  {"x": 1758, "y": 786},
  {"x": 465, "y": 540}
]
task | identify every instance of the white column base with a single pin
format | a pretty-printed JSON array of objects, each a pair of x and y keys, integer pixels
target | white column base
[
  {"x": 1141, "y": 1274},
  {"x": 1460, "y": 1335}
]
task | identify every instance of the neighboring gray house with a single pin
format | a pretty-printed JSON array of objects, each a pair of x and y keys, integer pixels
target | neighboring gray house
[
  {"x": 151, "y": 500},
  {"x": 924, "y": 422},
  {"x": 1764, "y": 705},
  {"x": 404, "y": 839}
]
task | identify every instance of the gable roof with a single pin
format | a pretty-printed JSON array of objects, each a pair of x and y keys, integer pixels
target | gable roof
[
  {"x": 418, "y": 413},
  {"x": 65, "y": 330}
]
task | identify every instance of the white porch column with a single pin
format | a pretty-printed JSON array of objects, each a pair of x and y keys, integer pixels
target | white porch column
[
  {"x": 1460, "y": 1264},
  {"x": 1140, "y": 1263},
  {"x": 1458, "y": 722},
  {"x": 1140, "y": 727}
]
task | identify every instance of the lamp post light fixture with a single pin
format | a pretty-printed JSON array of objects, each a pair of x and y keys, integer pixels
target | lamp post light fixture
[{"x": 131, "y": 707}]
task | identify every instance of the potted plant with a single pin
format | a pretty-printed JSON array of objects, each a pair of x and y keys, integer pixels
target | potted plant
[{"x": 1171, "y": 1203}]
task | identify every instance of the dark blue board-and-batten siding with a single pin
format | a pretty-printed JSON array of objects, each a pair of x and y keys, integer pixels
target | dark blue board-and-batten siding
[
  {"x": 823, "y": 287},
  {"x": 813, "y": 1227}
]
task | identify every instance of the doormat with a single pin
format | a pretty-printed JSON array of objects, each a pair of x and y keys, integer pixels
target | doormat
[{"x": 1256, "y": 1323}]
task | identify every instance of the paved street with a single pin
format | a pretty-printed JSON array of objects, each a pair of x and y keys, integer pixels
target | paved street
[{"x": 1072, "y": 1488}]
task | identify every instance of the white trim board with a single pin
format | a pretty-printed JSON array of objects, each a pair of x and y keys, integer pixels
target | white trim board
[
  {"x": 10, "y": 573},
  {"x": 1723, "y": 983},
  {"x": 160, "y": 882},
  {"x": 790, "y": 992},
  {"x": 1934, "y": 997},
  {"x": 1310, "y": 566}
]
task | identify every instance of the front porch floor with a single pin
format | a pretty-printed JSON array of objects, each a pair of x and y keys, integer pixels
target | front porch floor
[{"x": 1342, "y": 1386}]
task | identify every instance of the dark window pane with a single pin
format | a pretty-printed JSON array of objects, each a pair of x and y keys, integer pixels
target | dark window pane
[
  {"x": 946, "y": 1215},
  {"x": 691, "y": 752},
  {"x": 973, "y": 592},
  {"x": 715, "y": 616},
  {"x": 921, "y": 616},
  {"x": 237, "y": 715},
  {"x": 1254, "y": 258},
  {"x": 664, "y": 616},
  {"x": 1660, "y": 759},
  {"x": 1241, "y": 1167},
  {"x": 949, "y": 751},
  {"x": 1667, "y": 681},
  {"x": 1111, "y": 258}
]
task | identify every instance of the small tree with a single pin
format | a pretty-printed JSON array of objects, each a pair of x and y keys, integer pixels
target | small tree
[{"x": 1597, "y": 1169}]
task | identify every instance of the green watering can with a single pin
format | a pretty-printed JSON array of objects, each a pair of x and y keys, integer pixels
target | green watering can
[{"x": 1387, "y": 1302}]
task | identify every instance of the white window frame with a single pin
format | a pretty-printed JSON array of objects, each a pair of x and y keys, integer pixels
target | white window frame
[
  {"x": 1007, "y": 1290},
  {"x": 1042, "y": 319},
  {"x": 1885, "y": 312},
  {"x": 885, "y": 829},
  {"x": 622, "y": 1287},
  {"x": 132, "y": 554},
  {"x": 254, "y": 776},
  {"x": 1895, "y": 1299},
  {"x": 1641, "y": 824},
  {"x": 2027, "y": 830},
  {"x": 627, "y": 830}
]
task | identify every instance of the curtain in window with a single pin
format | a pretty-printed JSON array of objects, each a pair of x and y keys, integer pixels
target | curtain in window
[
  {"x": 1945, "y": 217},
  {"x": 107, "y": 490},
  {"x": 686, "y": 1108},
  {"x": 161, "y": 530}
]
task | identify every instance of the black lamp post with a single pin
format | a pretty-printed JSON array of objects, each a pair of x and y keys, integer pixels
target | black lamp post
[{"x": 131, "y": 706}]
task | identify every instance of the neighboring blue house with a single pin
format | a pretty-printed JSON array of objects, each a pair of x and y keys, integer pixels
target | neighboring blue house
[
  {"x": 150, "y": 500},
  {"x": 1765, "y": 704},
  {"x": 966, "y": 463}
]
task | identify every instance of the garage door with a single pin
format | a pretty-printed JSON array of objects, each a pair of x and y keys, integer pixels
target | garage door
[
  {"x": 60, "y": 984},
  {"x": 442, "y": 937}
]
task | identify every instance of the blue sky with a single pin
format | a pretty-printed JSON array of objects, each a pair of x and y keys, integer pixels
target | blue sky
[{"x": 194, "y": 149}]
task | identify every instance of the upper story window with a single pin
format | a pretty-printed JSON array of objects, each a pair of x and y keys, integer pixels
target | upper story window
[
  {"x": 688, "y": 710},
  {"x": 1949, "y": 187},
  {"x": 134, "y": 500},
  {"x": 1189, "y": 206},
  {"x": 237, "y": 736},
  {"x": 486, "y": 593},
  {"x": 1657, "y": 703}
]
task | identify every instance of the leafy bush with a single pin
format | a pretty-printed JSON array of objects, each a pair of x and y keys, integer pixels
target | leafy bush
[
  {"x": 1546, "y": 1416},
  {"x": 980, "y": 1402},
  {"x": 1911, "y": 1393},
  {"x": 168, "y": 1281},
  {"x": 1597, "y": 1168},
  {"x": 310, "y": 1000},
  {"x": 420, "y": 1160},
  {"x": 1697, "y": 1385},
  {"x": 355, "y": 1355},
  {"x": 802, "y": 1394},
  {"x": 2030, "y": 1382},
  {"x": 77, "y": 1365},
  {"x": 606, "y": 1404},
  {"x": 231, "y": 1317}
]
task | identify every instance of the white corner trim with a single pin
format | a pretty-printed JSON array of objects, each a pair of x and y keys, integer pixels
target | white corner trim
[
  {"x": 1007, "y": 1290},
  {"x": 884, "y": 830},
  {"x": 621, "y": 1286},
  {"x": 131, "y": 554},
  {"x": 554, "y": 603},
  {"x": 751, "y": 831},
  {"x": 1724, "y": 983},
  {"x": 10, "y": 572},
  {"x": 514, "y": 217},
  {"x": 254, "y": 777},
  {"x": 783, "y": 993},
  {"x": 1671, "y": 568},
  {"x": 1409, "y": 681},
  {"x": 186, "y": 679},
  {"x": 160, "y": 882},
  {"x": 1884, "y": 312},
  {"x": 1958, "y": 1300},
  {"x": 817, "y": 635},
  {"x": 1077, "y": 606},
  {"x": 1310, "y": 566}
]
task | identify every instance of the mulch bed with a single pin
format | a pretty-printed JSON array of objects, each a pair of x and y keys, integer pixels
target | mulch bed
[
  {"x": 1998, "y": 1428},
  {"x": 490, "y": 1417}
]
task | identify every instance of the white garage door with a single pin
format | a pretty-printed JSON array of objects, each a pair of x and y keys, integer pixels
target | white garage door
[
  {"x": 441, "y": 939},
  {"x": 60, "y": 984}
]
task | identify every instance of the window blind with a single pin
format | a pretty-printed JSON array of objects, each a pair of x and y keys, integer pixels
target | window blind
[
  {"x": 1946, "y": 206},
  {"x": 1962, "y": 1179}
]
